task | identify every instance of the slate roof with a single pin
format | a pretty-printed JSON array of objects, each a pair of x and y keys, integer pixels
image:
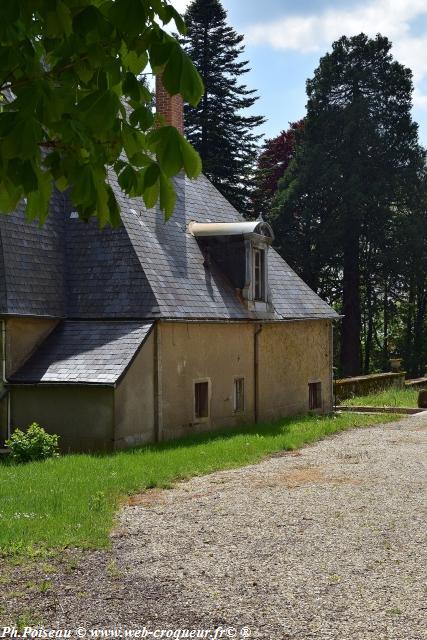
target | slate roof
[
  {"x": 83, "y": 352},
  {"x": 173, "y": 262},
  {"x": 142, "y": 271},
  {"x": 32, "y": 263}
]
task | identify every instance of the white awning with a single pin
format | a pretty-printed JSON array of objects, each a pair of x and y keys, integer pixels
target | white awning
[{"x": 204, "y": 229}]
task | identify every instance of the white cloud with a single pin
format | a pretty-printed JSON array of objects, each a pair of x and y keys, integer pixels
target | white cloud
[{"x": 315, "y": 32}]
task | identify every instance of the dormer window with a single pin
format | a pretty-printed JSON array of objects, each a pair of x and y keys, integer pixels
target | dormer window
[
  {"x": 259, "y": 274},
  {"x": 240, "y": 250}
]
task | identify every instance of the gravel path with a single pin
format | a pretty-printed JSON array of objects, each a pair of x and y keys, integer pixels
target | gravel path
[{"x": 325, "y": 543}]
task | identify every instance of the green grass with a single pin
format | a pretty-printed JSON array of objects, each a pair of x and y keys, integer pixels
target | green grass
[
  {"x": 72, "y": 500},
  {"x": 386, "y": 398}
]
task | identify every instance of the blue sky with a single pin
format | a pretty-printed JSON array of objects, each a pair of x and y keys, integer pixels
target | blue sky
[{"x": 284, "y": 40}]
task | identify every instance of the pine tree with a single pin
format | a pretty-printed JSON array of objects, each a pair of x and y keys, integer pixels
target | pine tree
[{"x": 218, "y": 128}]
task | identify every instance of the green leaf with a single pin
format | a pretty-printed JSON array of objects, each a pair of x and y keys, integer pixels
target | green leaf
[
  {"x": 38, "y": 201},
  {"x": 61, "y": 183},
  {"x": 58, "y": 21},
  {"x": 7, "y": 122},
  {"x": 9, "y": 196},
  {"x": 131, "y": 143},
  {"x": 128, "y": 180},
  {"x": 99, "y": 109},
  {"x": 130, "y": 86},
  {"x": 173, "y": 71},
  {"x": 191, "y": 86},
  {"x": 177, "y": 18},
  {"x": 160, "y": 53},
  {"x": 151, "y": 175},
  {"x": 151, "y": 185},
  {"x": 84, "y": 192},
  {"x": 23, "y": 141},
  {"x": 102, "y": 205},
  {"x": 181, "y": 76},
  {"x": 64, "y": 17},
  {"x": 84, "y": 70},
  {"x": 142, "y": 116},
  {"x": 165, "y": 141},
  {"x": 141, "y": 159},
  {"x": 114, "y": 208},
  {"x": 134, "y": 61},
  {"x": 167, "y": 196},
  {"x": 130, "y": 16},
  {"x": 191, "y": 159},
  {"x": 28, "y": 177}
]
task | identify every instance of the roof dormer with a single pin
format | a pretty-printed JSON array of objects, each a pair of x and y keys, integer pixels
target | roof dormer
[{"x": 241, "y": 250}]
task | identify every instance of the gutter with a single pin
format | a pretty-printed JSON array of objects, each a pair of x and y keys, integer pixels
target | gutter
[
  {"x": 256, "y": 372},
  {"x": 331, "y": 363},
  {"x": 158, "y": 413}
]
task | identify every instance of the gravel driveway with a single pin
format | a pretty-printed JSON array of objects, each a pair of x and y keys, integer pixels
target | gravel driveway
[{"x": 328, "y": 542}]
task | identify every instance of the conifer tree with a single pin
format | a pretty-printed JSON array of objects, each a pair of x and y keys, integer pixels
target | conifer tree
[
  {"x": 357, "y": 161},
  {"x": 218, "y": 128}
]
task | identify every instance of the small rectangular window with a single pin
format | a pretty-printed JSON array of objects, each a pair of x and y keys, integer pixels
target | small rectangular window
[
  {"x": 239, "y": 395},
  {"x": 201, "y": 399},
  {"x": 259, "y": 274},
  {"x": 315, "y": 395}
]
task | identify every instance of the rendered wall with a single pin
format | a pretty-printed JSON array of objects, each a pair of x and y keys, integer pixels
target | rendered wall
[
  {"x": 191, "y": 352},
  {"x": 23, "y": 336},
  {"x": 134, "y": 400},
  {"x": 291, "y": 355},
  {"x": 82, "y": 416}
]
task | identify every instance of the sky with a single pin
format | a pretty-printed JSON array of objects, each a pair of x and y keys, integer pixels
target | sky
[{"x": 284, "y": 40}]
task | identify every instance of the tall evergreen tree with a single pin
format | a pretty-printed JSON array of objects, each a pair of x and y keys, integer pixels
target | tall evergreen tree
[
  {"x": 358, "y": 161},
  {"x": 224, "y": 136}
]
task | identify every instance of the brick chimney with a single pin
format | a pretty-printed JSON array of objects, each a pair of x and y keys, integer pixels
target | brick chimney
[{"x": 170, "y": 107}]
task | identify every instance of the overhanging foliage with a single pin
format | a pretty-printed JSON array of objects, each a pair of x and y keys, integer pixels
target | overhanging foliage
[{"x": 73, "y": 104}]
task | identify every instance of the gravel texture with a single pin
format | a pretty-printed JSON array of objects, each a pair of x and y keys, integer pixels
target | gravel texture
[{"x": 325, "y": 543}]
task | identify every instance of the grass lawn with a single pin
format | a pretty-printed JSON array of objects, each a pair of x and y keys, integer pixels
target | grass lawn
[
  {"x": 72, "y": 500},
  {"x": 386, "y": 398}
]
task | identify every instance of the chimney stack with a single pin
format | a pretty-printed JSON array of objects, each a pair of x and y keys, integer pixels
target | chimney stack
[{"x": 170, "y": 107}]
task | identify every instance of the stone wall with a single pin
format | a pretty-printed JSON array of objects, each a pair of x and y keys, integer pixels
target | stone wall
[{"x": 363, "y": 385}]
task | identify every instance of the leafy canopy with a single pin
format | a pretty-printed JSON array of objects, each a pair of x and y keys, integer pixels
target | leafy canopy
[{"x": 74, "y": 109}]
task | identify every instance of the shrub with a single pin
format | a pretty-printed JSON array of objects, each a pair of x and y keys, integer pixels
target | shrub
[{"x": 33, "y": 444}]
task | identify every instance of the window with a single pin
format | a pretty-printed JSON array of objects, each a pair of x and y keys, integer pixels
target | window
[
  {"x": 259, "y": 274},
  {"x": 239, "y": 395},
  {"x": 314, "y": 395},
  {"x": 201, "y": 400}
]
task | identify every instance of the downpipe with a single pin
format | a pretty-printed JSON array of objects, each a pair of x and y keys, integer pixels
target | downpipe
[
  {"x": 6, "y": 392},
  {"x": 256, "y": 373}
]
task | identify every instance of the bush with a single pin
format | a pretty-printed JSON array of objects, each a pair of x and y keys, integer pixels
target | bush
[{"x": 33, "y": 444}]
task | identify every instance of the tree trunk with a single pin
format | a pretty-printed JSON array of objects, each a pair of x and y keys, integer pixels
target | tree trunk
[
  {"x": 420, "y": 313},
  {"x": 351, "y": 324},
  {"x": 409, "y": 324},
  {"x": 385, "y": 325},
  {"x": 370, "y": 327}
]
